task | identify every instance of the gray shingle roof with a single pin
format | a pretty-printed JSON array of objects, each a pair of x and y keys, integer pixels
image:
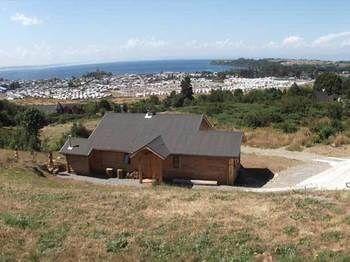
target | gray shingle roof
[
  {"x": 167, "y": 133},
  {"x": 79, "y": 146},
  {"x": 158, "y": 146}
]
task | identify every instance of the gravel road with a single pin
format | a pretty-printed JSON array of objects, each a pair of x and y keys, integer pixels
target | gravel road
[{"x": 316, "y": 171}]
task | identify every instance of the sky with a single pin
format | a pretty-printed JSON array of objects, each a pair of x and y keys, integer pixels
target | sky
[{"x": 34, "y": 32}]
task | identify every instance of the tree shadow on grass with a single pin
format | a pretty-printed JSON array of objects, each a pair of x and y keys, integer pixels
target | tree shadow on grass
[{"x": 253, "y": 177}]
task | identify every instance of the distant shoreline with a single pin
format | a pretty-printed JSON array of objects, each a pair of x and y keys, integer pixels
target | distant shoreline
[{"x": 131, "y": 67}]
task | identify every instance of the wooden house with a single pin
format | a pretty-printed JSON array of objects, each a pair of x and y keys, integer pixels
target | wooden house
[{"x": 159, "y": 147}]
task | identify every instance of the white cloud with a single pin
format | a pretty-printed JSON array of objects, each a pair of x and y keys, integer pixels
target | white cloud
[
  {"x": 331, "y": 39},
  {"x": 134, "y": 43},
  {"x": 26, "y": 20},
  {"x": 293, "y": 41}
]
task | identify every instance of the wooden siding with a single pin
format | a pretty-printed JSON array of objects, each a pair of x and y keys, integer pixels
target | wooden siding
[
  {"x": 78, "y": 164},
  {"x": 221, "y": 169},
  {"x": 100, "y": 160},
  {"x": 149, "y": 164},
  {"x": 201, "y": 168}
]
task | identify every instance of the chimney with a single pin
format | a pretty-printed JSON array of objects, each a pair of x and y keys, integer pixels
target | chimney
[
  {"x": 148, "y": 115},
  {"x": 70, "y": 143}
]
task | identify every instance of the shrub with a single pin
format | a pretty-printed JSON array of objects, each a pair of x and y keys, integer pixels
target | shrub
[
  {"x": 288, "y": 126},
  {"x": 78, "y": 130},
  {"x": 323, "y": 129}
]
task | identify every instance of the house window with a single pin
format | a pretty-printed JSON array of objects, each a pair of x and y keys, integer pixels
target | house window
[
  {"x": 176, "y": 161},
  {"x": 126, "y": 158}
]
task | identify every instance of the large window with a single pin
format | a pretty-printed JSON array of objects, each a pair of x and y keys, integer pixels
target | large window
[{"x": 176, "y": 161}]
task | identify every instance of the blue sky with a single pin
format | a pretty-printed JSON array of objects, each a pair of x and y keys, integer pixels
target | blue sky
[{"x": 34, "y": 32}]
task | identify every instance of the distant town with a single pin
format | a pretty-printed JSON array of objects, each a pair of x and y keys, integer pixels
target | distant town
[{"x": 101, "y": 85}]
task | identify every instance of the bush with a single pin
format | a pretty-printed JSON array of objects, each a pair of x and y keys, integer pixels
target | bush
[
  {"x": 288, "y": 126},
  {"x": 323, "y": 132},
  {"x": 78, "y": 130},
  {"x": 335, "y": 111},
  {"x": 255, "y": 119}
]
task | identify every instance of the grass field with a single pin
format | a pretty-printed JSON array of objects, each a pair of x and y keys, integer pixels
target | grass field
[{"x": 45, "y": 218}]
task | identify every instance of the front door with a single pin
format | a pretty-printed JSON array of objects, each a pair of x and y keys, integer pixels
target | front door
[{"x": 151, "y": 166}]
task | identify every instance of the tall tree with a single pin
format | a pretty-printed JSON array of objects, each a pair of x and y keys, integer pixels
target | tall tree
[
  {"x": 31, "y": 121},
  {"x": 186, "y": 88},
  {"x": 330, "y": 83}
]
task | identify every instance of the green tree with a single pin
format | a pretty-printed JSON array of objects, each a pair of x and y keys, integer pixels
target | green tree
[
  {"x": 330, "y": 83},
  {"x": 105, "y": 104},
  {"x": 186, "y": 88},
  {"x": 31, "y": 120}
]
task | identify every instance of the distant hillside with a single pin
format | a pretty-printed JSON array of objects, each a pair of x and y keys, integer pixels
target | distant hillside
[{"x": 284, "y": 67}]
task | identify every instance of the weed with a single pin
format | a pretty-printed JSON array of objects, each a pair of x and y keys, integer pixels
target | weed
[
  {"x": 203, "y": 242},
  {"x": 118, "y": 243},
  {"x": 332, "y": 236},
  {"x": 51, "y": 197},
  {"x": 290, "y": 230},
  {"x": 305, "y": 242},
  {"x": 52, "y": 240},
  {"x": 287, "y": 250},
  {"x": 329, "y": 255},
  {"x": 20, "y": 221},
  {"x": 98, "y": 234},
  {"x": 347, "y": 220}
]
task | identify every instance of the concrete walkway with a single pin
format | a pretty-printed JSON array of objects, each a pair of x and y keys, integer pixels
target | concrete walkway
[{"x": 101, "y": 181}]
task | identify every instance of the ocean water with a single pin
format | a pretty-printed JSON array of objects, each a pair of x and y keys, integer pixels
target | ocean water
[{"x": 140, "y": 67}]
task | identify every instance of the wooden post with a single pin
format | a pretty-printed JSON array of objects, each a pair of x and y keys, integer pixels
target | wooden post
[
  {"x": 50, "y": 159},
  {"x": 33, "y": 154},
  {"x": 160, "y": 171},
  {"x": 231, "y": 168},
  {"x": 140, "y": 169},
  {"x": 67, "y": 166},
  {"x": 16, "y": 155}
]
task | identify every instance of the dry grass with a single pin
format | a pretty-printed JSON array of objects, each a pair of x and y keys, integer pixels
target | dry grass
[
  {"x": 273, "y": 163},
  {"x": 25, "y": 158},
  {"x": 53, "y": 133},
  {"x": 51, "y": 101},
  {"x": 271, "y": 138},
  {"x": 340, "y": 140},
  {"x": 328, "y": 150},
  {"x": 52, "y": 219},
  {"x": 43, "y": 101}
]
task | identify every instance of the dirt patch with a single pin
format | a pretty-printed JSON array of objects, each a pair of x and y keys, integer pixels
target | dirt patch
[{"x": 273, "y": 163}]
